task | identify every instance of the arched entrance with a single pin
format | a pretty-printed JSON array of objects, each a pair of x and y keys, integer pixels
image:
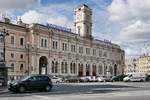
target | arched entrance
[
  {"x": 94, "y": 70},
  {"x": 80, "y": 72},
  {"x": 87, "y": 70},
  {"x": 115, "y": 70},
  {"x": 43, "y": 65}
]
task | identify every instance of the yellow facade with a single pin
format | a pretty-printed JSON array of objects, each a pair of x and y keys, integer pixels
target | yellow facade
[{"x": 143, "y": 64}]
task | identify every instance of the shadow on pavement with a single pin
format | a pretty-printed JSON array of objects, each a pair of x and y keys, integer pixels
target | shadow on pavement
[{"x": 66, "y": 89}]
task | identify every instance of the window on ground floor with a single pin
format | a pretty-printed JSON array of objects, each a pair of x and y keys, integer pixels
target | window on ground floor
[
  {"x": 73, "y": 68},
  {"x": 12, "y": 67},
  {"x": 54, "y": 67}
]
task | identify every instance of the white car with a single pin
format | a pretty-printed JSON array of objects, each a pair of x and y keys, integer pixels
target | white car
[
  {"x": 56, "y": 79},
  {"x": 136, "y": 76},
  {"x": 101, "y": 79}
]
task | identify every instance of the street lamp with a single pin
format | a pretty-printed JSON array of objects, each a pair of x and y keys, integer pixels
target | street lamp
[
  {"x": 4, "y": 33},
  {"x": 4, "y": 71}
]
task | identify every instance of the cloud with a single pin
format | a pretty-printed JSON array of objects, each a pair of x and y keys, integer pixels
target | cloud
[
  {"x": 34, "y": 16},
  {"x": 133, "y": 20},
  {"x": 15, "y": 4},
  {"x": 137, "y": 31},
  {"x": 125, "y": 10}
]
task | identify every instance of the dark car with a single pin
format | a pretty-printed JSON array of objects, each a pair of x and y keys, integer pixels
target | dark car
[
  {"x": 147, "y": 77},
  {"x": 71, "y": 79},
  {"x": 118, "y": 78},
  {"x": 32, "y": 82}
]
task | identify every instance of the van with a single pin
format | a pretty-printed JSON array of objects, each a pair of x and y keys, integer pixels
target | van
[{"x": 135, "y": 77}]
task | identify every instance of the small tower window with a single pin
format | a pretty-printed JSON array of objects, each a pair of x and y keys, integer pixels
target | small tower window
[
  {"x": 21, "y": 41},
  {"x": 87, "y": 29},
  {"x": 79, "y": 29}
]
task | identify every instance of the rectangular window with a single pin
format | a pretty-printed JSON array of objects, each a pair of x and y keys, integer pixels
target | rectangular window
[
  {"x": 45, "y": 43},
  {"x": 94, "y": 52},
  {"x": 100, "y": 53},
  {"x": 12, "y": 55},
  {"x": 42, "y": 42},
  {"x": 73, "y": 48},
  {"x": 21, "y": 41},
  {"x": 1, "y": 39},
  {"x": 64, "y": 46},
  {"x": 55, "y": 44},
  {"x": 12, "y": 40},
  {"x": 88, "y": 51},
  {"x": 21, "y": 67},
  {"x": 21, "y": 56},
  {"x": 1, "y": 56},
  {"x": 80, "y": 49},
  {"x": 79, "y": 29}
]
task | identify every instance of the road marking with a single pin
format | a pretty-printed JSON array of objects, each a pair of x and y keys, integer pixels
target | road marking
[{"x": 42, "y": 97}]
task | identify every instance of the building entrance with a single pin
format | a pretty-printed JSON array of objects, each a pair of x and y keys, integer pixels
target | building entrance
[
  {"x": 80, "y": 73},
  {"x": 43, "y": 65}
]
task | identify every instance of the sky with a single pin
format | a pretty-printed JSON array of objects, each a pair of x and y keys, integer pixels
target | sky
[{"x": 124, "y": 22}]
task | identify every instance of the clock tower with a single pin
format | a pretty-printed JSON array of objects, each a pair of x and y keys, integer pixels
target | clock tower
[{"x": 83, "y": 21}]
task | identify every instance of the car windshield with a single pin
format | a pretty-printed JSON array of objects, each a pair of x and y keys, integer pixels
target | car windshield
[{"x": 25, "y": 78}]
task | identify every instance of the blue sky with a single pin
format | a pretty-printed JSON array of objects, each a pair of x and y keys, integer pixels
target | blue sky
[{"x": 125, "y": 22}]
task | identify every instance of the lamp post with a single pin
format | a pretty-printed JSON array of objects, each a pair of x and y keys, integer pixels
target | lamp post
[
  {"x": 4, "y": 33},
  {"x": 4, "y": 71}
]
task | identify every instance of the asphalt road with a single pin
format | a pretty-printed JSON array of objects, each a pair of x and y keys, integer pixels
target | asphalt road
[{"x": 88, "y": 91}]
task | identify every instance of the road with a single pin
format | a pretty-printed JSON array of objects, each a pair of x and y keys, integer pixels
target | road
[{"x": 88, "y": 91}]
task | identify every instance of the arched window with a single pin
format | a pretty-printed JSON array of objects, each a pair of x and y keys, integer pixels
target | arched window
[
  {"x": 56, "y": 67},
  {"x": 66, "y": 67},
  {"x": 94, "y": 70},
  {"x": 21, "y": 67},
  {"x": 71, "y": 69},
  {"x": 100, "y": 69},
  {"x": 115, "y": 70},
  {"x": 12, "y": 67},
  {"x": 74, "y": 68},
  {"x": 111, "y": 70},
  {"x": 62, "y": 67},
  {"x": 53, "y": 67},
  {"x": 87, "y": 69}
]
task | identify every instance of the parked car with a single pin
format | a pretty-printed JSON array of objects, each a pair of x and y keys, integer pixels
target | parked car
[
  {"x": 84, "y": 79},
  {"x": 56, "y": 80},
  {"x": 32, "y": 82},
  {"x": 136, "y": 76},
  {"x": 147, "y": 77},
  {"x": 71, "y": 79},
  {"x": 101, "y": 79},
  {"x": 118, "y": 78}
]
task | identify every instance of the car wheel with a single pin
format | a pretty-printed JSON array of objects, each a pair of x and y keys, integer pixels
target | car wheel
[
  {"x": 141, "y": 80},
  {"x": 48, "y": 88},
  {"x": 21, "y": 89}
]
